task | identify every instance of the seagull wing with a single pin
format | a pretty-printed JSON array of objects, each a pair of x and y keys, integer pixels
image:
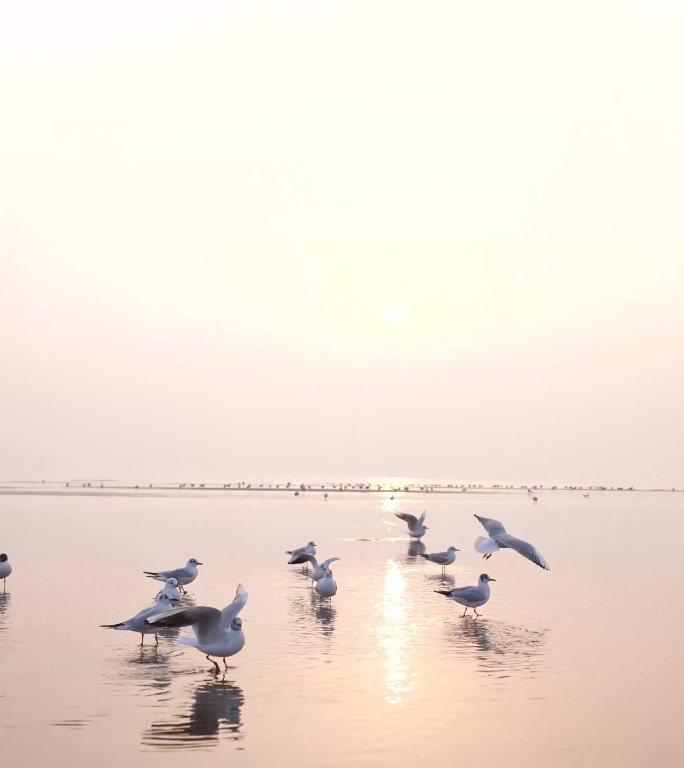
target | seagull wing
[
  {"x": 302, "y": 557},
  {"x": 232, "y": 610},
  {"x": 421, "y": 519},
  {"x": 493, "y": 527},
  {"x": 177, "y": 573},
  {"x": 441, "y": 558},
  {"x": 205, "y": 622},
  {"x": 472, "y": 594},
  {"x": 410, "y": 519},
  {"x": 327, "y": 562},
  {"x": 524, "y": 548}
]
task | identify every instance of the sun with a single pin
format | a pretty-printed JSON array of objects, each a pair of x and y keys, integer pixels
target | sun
[{"x": 395, "y": 317}]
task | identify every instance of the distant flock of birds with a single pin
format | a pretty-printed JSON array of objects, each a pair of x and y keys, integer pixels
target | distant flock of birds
[{"x": 218, "y": 633}]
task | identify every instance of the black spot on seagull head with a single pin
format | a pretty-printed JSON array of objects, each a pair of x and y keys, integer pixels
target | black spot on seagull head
[{"x": 3, "y": 558}]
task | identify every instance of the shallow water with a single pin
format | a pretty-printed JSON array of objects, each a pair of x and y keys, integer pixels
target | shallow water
[{"x": 577, "y": 666}]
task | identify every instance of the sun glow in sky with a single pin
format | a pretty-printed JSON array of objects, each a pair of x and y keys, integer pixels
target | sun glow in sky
[{"x": 424, "y": 239}]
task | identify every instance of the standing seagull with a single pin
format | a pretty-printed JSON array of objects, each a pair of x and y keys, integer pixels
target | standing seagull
[
  {"x": 183, "y": 576},
  {"x": 326, "y": 587},
  {"x": 442, "y": 558},
  {"x": 138, "y": 624},
  {"x": 216, "y": 633},
  {"x": 416, "y": 529},
  {"x": 471, "y": 597},
  {"x": 500, "y": 539},
  {"x": 309, "y": 549},
  {"x": 5, "y": 569},
  {"x": 317, "y": 573},
  {"x": 297, "y": 554},
  {"x": 171, "y": 589}
]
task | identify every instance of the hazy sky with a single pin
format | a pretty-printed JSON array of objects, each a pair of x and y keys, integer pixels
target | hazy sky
[{"x": 305, "y": 239}]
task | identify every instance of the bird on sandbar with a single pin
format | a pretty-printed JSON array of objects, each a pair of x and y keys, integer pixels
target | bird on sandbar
[
  {"x": 499, "y": 538},
  {"x": 470, "y": 597},
  {"x": 416, "y": 527}
]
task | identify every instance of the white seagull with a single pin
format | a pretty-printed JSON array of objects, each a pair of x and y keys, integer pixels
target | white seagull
[
  {"x": 442, "y": 558},
  {"x": 216, "y": 633},
  {"x": 326, "y": 586},
  {"x": 499, "y": 538},
  {"x": 308, "y": 549},
  {"x": 416, "y": 529},
  {"x": 183, "y": 576},
  {"x": 471, "y": 597},
  {"x": 317, "y": 573},
  {"x": 171, "y": 589},
  {"x": 138, "y": 624},
  {"x": 5, "y": 568}
]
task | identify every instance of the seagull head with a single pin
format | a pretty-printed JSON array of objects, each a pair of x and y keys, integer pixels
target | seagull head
[
  {"x": 484, "y": 577},
  {"x": 193, "y": 561},
  {"x": 172, "y": 582},
  {"x": 3, "y": 558},
  {"x": 164, "y": 599},
  {"x": 236, "y": 624},
  {"x": 452, "y": 548}
]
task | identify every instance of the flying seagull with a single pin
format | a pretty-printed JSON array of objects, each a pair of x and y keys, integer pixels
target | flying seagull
[{"x": 499, "y": 538}]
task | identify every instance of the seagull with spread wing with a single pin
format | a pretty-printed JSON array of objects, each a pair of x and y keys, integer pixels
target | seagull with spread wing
[
  {"x": 216, "y": 633},
  {"x": 499, "y": 538},
  {"x": 416, "y": 527}
]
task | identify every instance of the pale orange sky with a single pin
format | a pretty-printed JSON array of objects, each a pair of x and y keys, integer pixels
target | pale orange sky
[{"x": 342, "y": 239}]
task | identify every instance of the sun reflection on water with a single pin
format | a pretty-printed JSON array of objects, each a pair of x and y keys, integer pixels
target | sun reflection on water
[{"x": 393, "y": 634}]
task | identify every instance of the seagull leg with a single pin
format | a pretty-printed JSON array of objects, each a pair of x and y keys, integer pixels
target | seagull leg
[
  {"x": 476, "y": 613},
  {"x": 464, "y": 612},
  {"x": 216, "y": 666},
  {"x": 156, "y": 639},
  {"x": 142, "y": 639},
  {"x": 224, "y": 662}
]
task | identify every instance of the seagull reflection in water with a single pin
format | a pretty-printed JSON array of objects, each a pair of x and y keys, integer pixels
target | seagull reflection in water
[
  {"x": 502, "y": 648},
  {"x": 323, "y": 612},
  {"x": 5, "y": 598},
  {"x": 214, "y": 715},
  {"x": 415, "y": 548}
]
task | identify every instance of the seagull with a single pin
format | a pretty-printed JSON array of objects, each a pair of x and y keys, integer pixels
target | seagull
[
  {"x": 317, "y": 573},
  {"x": 471, "y": 597},
  {"x": 5, "y": 568},
  {"x": 171, "y": 589},
  {"x": 182, "y": 576},
  {"x": 138, "y": 624},
  {"x": 309, "y": 549},
  {"x": 326, "y": 586},
  {"x": 442, "y": 558},
  {"x": 500, "y": 539},
  {"x": 416, "y": 529},
  {"x": 216, "y": 633}
]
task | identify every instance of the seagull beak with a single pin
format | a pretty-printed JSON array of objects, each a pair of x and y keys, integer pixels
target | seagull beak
[
  {"x": 492, "y": 579},
  {"x": 200, "y": 563}
]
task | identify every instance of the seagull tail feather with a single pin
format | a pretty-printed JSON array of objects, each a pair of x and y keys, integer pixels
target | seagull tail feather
[{"x": 444, "y": 592}]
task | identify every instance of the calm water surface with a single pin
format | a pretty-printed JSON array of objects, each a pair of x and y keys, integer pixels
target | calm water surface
[{"x": 578, "y": 666}]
